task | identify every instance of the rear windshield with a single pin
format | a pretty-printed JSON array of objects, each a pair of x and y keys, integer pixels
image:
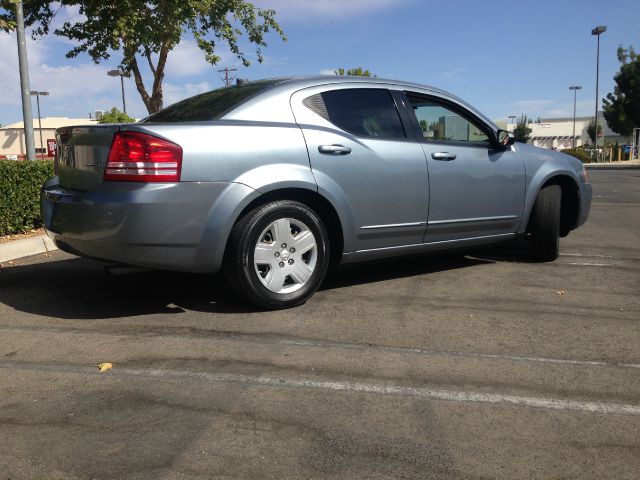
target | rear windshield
[{"x": 211, "y": 105}]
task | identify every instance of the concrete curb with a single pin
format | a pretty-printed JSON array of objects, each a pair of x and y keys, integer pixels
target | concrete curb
[
  {"x": 26, "y": 247},
  {"x": 612, "y": 165}
]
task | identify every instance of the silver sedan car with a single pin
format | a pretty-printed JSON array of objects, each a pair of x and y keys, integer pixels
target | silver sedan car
[{"x": 271, "y": 182}]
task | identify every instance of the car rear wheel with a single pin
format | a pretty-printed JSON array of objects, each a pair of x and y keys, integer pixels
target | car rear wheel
[
  {"x": 277, "y": 255},
  {"x": 544, "y": 226}
]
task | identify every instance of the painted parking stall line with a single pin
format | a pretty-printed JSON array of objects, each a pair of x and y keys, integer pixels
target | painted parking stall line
[
  {"x": 458, "y": 396},
  {"x": 585, "y": 264}
]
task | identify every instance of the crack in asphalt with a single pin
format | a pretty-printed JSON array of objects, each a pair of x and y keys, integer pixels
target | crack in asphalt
[{"x": 270, "y": 339}]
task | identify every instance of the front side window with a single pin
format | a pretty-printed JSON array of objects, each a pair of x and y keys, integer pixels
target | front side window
[
  {"x": 364, "y": 112},
  {"x": 439, "y": 122}
]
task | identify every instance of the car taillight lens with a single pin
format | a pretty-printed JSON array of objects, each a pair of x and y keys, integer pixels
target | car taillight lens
[{"x": 138, "y": 157}]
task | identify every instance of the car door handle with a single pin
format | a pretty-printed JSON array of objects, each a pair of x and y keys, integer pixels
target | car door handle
[
  {"x": 334, "y": 149},
  {"x": 443, "y": 156}
]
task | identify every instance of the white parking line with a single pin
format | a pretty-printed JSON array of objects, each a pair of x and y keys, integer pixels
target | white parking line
[
  {"x": 445, "y": 353},
  {"x": 356, "y": 387},
  {"x": 584, "y": 264},
  {"x": 425, "y": 393},
  {"x": 589, "y": 255}
]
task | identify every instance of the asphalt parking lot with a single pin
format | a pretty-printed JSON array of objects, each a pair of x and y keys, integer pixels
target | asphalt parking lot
[{"x": 484, "y": 366}]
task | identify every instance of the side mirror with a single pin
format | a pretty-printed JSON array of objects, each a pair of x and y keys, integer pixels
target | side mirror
[{"x": 505, "y": 138}]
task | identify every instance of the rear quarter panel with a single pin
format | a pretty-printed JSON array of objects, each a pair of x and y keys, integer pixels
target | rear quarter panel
[{"x": 257, "y": 156}]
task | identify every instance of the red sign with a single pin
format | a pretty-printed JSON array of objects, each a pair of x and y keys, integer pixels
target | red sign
[{"x": 51, "y": 147}]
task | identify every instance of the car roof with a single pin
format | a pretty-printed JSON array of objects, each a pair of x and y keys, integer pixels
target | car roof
[
  {"x": 323, "y": 79},
  {"x": 298, "y": 83}
]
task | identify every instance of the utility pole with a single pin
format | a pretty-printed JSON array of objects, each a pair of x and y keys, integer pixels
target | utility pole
[
  {"x": 575, "y": 89},
  {"x": 228, "y": 78},
  {"x": 25, "y": 90}
]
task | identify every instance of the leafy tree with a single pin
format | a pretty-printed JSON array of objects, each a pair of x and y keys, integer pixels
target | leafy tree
[
  {"x": 622, "y": 107},
  {"x": 521, "y": 132},
  {"x": 146, "y": 31},
  {"x": 7, "y": 20},
  {"x": 116, "y": 116},
  {"x": 355, "y": 72},
  {"x": 591, "y": 129}
]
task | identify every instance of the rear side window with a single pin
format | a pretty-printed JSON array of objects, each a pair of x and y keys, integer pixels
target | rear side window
[
  {"x": 364, "y": 112},
  {"x": 211, "y": 105}
]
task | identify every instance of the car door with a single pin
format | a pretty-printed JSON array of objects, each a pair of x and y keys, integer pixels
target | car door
[
  {"x": 365, "y": 159},
  {"x": 476, "y": 188}
]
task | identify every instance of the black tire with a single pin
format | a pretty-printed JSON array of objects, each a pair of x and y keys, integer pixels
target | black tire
[
  {"x": 246, "y": 278},
  {"x": 544, "y": 225}
]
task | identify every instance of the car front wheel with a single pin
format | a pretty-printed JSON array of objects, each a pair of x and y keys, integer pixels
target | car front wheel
[
  {"x": 277, "y": 255},
  {"x": 544, "y": 227}
]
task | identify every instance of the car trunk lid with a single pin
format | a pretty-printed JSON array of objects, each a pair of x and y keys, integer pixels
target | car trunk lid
[{"x": 82, "y": 153}]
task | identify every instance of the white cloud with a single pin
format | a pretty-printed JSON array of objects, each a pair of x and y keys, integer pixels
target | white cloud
[
  {"x": 533, "y": 104},
  {"x": 454, "y": 73},
  {"x": 557, "y": 112},
  {"x": 186, "y": 59},
  {"x": 76, "y": 88},
  {"x": 328, "y": 71},
  {"x": 540, "y": 108},
  {"x": 174, "y": 93},
  {"x": 312, "y": 10},
  {"x": 565, "y": 109}
]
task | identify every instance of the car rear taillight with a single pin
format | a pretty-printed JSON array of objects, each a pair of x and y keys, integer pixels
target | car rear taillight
[{"x": 138, "y": 157}]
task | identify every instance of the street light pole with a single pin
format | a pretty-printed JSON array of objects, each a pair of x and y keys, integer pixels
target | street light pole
[
  {"x": 124, "y": 105},
  {"x": 120, "y": 73},
  {"x": 599, "y": 30},
  {"x": 575, "y": 89},
  {"x": 513, "y": 119},
  {"x": 37, "y": 94},
  {"x": 27, "y": 114}
]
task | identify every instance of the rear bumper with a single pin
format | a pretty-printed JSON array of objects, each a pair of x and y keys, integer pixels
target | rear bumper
[{"x": 176, "y": 226}]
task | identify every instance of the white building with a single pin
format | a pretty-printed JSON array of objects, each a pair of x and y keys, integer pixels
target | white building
[
  {"x": 557, "y": 133},
  {"x": 12, "y": 142}
]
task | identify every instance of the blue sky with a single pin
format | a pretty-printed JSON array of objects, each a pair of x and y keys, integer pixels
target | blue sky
[{"x": 505, "y": 58}]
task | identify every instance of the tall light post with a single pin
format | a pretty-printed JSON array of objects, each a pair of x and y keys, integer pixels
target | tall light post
[
  {"x": 575, "y": 89},
  {"x": 513, "y": 119},
  {"x": 27, "y": 115},
  {"x": 599, "y": 30},
  {"x": 120, "y": 73},
  {"x": 37, "y": 94}
]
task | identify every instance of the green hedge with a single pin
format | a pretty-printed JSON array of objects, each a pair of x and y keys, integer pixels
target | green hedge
[
  {"x": 20, "y": 183},
  {"x": 579, "y": 153}
]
